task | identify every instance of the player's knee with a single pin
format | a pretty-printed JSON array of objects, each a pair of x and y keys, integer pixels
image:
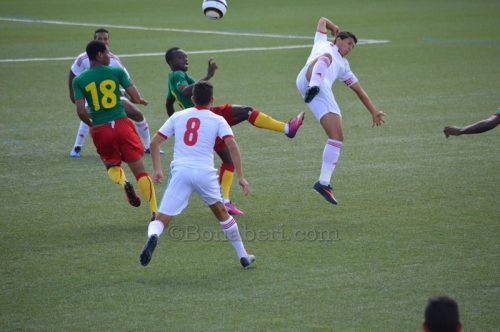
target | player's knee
[
  {"x": 248, "y": 109},
  {"x": 241, "y": 113},
  {"x": 327, "y": 55}
]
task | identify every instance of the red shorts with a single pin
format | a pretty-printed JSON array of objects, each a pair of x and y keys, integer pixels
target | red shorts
[
  {"x": 117, "y": 141},
  {"x": 223, "y": 110}
]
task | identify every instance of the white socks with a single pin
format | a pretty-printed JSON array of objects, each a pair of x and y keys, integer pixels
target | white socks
[
  {"x": 330, "y": 157},
  {"x": 319, "y": 70},
  {"x": 143, "y": 130},
  {"x": 155, "y": 227},
  {"x": 83, "y": 131},
  {"x": 233, "y": 234}
]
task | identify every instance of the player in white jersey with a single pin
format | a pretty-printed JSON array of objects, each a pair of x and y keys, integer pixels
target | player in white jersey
[
  {"x": 192, "y": 169},
  {"x": 81, "y": 63},
  {"x": 325, "y": 64}
]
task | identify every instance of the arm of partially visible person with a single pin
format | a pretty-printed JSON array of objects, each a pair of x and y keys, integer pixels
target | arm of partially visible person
[
  {"x": 476, "y": 128},
  {"x": 169, "y": 104},
  {"x": 154, "y": 149},
  {"x": 377, "y": 116},
  {"x": 234, "y": 150},
  {"x": 71, "y": 76}
]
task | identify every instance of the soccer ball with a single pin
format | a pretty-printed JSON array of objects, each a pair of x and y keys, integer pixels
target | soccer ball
[{"x": 214, "y": 9}]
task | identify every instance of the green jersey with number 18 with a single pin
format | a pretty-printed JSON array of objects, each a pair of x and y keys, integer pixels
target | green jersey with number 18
[{"x": 100, "y": 86}]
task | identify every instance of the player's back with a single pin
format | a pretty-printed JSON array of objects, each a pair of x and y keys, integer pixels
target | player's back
[
  {"x": 195, "y": 132},
  {"x": 100, "y": 86}
]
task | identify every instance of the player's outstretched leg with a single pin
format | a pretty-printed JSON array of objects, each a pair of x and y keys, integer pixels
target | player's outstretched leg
[
  {"x": 294, "y": 125},
  {"x": 326, "y": 192}
]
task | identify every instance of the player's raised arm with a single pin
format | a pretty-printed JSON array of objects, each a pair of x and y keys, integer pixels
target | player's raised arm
[
  {"x": 212, "y": 67},
  {"x": 325, "y": 24}
]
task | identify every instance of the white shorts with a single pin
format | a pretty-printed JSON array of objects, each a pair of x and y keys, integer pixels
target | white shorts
[
  {"x": 182, "y": 182},
  {"x": 324, "y": 102}
]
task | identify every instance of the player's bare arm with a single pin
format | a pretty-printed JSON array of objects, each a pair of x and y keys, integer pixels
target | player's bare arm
[
  {"x": 71, "y": 76},
  {"x": 325, "y": 24},
  {"x": 212, "y": 67},
  {"x": 154, "y": 149},
  {"x": 377, "y": 116},
  {"x": 169, "y": 104},
  {"x": 82, "y": 112},
  {"x": 476, "y": 128},
  {"x": 236, "y": 156}
]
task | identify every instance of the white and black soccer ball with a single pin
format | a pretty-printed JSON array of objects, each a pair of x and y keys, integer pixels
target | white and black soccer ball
[{"x": 214, "y": 9}]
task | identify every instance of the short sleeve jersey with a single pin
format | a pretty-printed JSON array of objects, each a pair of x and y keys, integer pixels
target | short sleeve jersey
[
  {"x": 339, "y": 67},
  {"x": 100, "y": 86},
  {"x": 195, "y": 131},
  {"x": 82, "y": 62},
  {"x": 177, "y": 80}
]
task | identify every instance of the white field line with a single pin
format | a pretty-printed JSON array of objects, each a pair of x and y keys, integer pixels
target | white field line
[{"x": 360, "y": 41}]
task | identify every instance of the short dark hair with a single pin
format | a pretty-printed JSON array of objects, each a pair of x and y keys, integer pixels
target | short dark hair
[
  {"x": 95, "y": 47},
  {"x": 169, "y": 55},
  {"x": 346, "y": 34},
  {"x": 203, "y": 92},
  {"x": 99, "y": 31},
  {"x": 441, "y": 314}
]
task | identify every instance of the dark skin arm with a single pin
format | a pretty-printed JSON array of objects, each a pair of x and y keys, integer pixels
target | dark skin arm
[
  {"x": 71, "y": 76},
  {"x": 476, "y": 128},
  {"x": 82, "y": 112},
  {"x": 169, "y": 104},
  {"x": 212, "y": 67}
]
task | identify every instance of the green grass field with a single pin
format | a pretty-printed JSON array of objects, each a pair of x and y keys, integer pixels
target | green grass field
[{"x": 418, "y": 214}]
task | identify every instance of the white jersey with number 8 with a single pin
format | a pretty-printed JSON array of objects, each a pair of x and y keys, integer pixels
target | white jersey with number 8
[{"x": 195, "y": 131}]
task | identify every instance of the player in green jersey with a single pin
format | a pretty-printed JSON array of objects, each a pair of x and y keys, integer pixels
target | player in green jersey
[
  {"x": 113, "y": 134},
  {"x": 180, "y": 90}
]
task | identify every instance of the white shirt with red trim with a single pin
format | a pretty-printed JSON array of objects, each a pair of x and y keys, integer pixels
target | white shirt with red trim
[
  {"x": 339, "y": 68},
  {"x": 82, "y": 62},
  {"x": 195, "y": 130}
]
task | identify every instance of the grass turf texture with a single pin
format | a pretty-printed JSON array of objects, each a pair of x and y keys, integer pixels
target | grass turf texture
[{"x": 418, "y": 214}]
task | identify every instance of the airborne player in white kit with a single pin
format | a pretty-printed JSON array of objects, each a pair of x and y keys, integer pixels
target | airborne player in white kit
[
  {"x": 325, "y": 64},
  {"x": 192, "y": 169}
]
